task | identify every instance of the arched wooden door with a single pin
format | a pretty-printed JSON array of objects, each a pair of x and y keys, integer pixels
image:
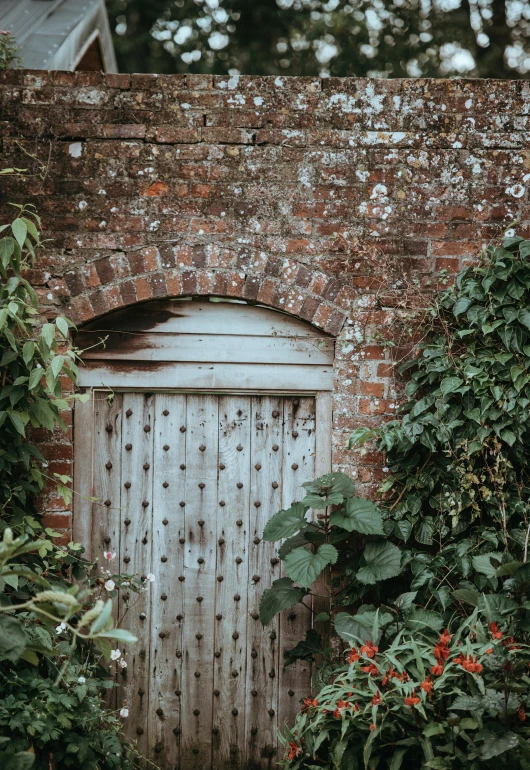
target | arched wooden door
[{"x": 204, "y": 419}]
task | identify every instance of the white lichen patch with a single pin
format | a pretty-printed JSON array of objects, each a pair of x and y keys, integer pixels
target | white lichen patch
[{"x": 76, "y": 149}]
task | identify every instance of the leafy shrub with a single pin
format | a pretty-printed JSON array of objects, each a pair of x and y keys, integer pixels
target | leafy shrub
[
  {"x": 53, "y": 633},
  {"x": 449, "y": 537},
  {"x": 447, "y": 702}
]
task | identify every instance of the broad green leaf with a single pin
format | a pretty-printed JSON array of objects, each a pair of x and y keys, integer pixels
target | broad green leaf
[
  {"x": 406, "y": 600},
  {"x": 361, "y": 515},
  {"x": 104, "y": 620},
  {"x": 35, "y": 377},
  {"x": 12, "y": 638},
  {"x": 461, "y": 305},
  {"x": 17, "y": 422},
  {"x": 62, "y": 325},
  {"x": 466, "y": 595},
  {"x": 285, "y": 523},
  {"x": 482, "y": 564},
  {"x": 280, "y": 596},
  {"x": 524, "y": 317},
  {"x": 497, "y": 744},
  {"x": 450, "y": 384},
  {"x": 20, "y": 231},
  {"x": 419, "y": 618},
  {"x": 303, "y": 566},
  {"x": 383, "y": 561},
  {"x": 7, "y": 246},
  {"x": 304, "y": 650}
]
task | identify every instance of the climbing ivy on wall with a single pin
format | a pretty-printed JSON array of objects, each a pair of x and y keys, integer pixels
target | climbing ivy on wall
[{"x": 451, "y": 528}]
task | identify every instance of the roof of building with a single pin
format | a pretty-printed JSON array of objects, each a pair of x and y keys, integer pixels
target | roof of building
[{"x": 60, "y": 34}]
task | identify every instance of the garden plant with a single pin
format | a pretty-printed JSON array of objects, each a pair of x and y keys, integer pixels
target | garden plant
[{"x": 430, "y": 586}]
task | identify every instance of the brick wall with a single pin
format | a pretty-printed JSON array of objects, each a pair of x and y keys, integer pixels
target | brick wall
[{"x": 337, "y": 200}]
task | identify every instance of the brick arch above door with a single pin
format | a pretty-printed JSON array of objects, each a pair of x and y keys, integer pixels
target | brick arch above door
[{"x": 111, "y": 283}]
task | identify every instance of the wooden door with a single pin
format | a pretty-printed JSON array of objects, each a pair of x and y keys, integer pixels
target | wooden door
[{"x": 186, "y": 484}]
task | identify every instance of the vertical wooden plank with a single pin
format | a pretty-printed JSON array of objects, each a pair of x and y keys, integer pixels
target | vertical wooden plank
[
  {"x": 263, "y": 663},
  {"x": 324, "y": 420},
  {"x": 106, "y": 462},
  {"x": 135, "y": 553},
  {"x": 298, "y": 467},
  {"x": 168, "y": 563},
  {"x": 199, "y": 573},
  {"x": 83, "y": 472},
  {"x": 229, "y": 745}
]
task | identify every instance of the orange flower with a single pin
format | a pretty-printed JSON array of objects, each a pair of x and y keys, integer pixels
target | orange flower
[
  {"x": 309, "y": 703},
  {"x": 469, "y": 663},
  {"x": 412, "y": 700},
  {"x": 427, "y": 685},
  {"x": 390, "y": 674},
  {"x": 376, "y": 700},
  {"x": 404, "y": 677},
  {"x": 294, "y": 750},
  {"x": 437, "y": 670},
  {"x": 353, "y": 657},
  {"x": 372, "y": 727},
  {"x": 445, "y": 638},
  {"x": 494, "y": 628},
  {"x": 341, "y": 705},
  {"x": 355, "y": 707},
  {"x": 489, "y": 651},
  {"x": 369, "y": 649},
  {"x": 509, "y": 643},
  {"x": 521, "y": 714},
  {"x": 371, "y": 669},
  {"x": 441, "y": 651}
]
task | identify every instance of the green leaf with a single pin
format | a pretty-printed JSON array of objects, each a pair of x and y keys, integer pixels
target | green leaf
[
  {"x": 424, "y": 618},
  {"x": 461, "y": 305},
  {"x": 62, "y": 325},
  {"x": 35, "y": 377},
  {"x": 285, "y": 523},
  {"x": 17, "y": 422},
  {"x": 12, "y": 638},
  {"x": 450, "y": 384},
  {"x": 466, "y": 595},
  {"x": 483, "y": 564},
  {"x": 498, "y": 744},
  {"x": 120, "y": 634},
  {"x": 103, "y": 622},
  {"x": 361, "y": 515},
  {"x": 280, "y": 596},
  {"x": 19, "y": 231},
  {"x": 304, "y": 650},
  {"x": 303, "y": 566},
  {"x": 7, "y": 246},
  {"x": 383, "y": 561}
]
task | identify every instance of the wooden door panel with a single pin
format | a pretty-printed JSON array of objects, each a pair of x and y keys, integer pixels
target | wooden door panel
[{"x": 187, "y": 483}]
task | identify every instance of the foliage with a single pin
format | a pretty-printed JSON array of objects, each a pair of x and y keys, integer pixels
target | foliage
[
  {"x": 311, "y": 37},
  {"x": 453, "y": 516},
  {"x": 53, "y": 633},
  {"x": 9, "y": 57},
  {"x": 445, "y": 702}
]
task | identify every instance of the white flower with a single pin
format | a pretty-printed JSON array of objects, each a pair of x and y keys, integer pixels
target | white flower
[
  {"x": 150, "y": 578},
  {"x": 110, "y": 585},
  {"x": 61, "y": 627},
  {"x": 123, "y": 663},
  {"x": 115, "y": 654},
  {"x": 109, "y": 555},
  {"x": 81, "y": 679},
  {"x": 125, "y": 583},
  {"x": 510, "y": 233},
  {"x": 124, "y": 712}
]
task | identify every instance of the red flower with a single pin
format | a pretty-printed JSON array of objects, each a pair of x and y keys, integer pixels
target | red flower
[
  {"x": 521, "y": 714},
  {"x": 294, "y": 750},
  {"x": 437, "y": 670},
  {"x": 489, "y": 651},
  {"x": 372, "y": 727},
  {"x": 441, "y": 651},
  {"x": 494, "y": 628},
  {"x": 427, "y": 685},
  {"x": 341, "y": 705},
  {"x": 353, "y": 657},
  {"x": 309, "y": 703},
  {"x": 509, "y": 643},
  {"x": 376, "y": 700},
  {"x": 355, "y": 707},
  {"x": 371, "y": 669},
  {"x": 369, "y": 649},
  {"x": 390, "y": 674},
  {"x": 445, "y": 638},
  {"x": 412, "y": 700},
  {"x": 404, "y": 677},
  {"x": 469, "y": 663}
]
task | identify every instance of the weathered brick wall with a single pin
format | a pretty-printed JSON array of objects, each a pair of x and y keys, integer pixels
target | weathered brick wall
[{"x": 256, "y": 188}]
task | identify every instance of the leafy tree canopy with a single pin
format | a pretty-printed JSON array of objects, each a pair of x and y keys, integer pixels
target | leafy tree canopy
[{"x": 375, "y": 38}]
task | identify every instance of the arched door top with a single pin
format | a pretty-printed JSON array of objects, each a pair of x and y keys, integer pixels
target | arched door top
[{"x": 205, "y": 344}]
